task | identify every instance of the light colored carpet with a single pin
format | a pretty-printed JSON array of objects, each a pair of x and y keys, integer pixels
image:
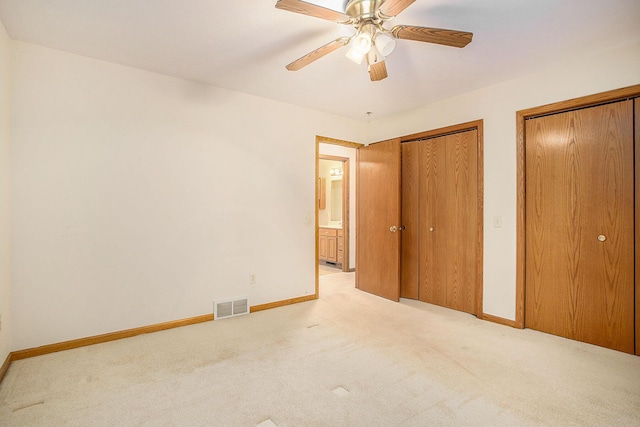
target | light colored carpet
[
  {"x": 348, "y": 359},
  {"x": 328, "y": 269}
]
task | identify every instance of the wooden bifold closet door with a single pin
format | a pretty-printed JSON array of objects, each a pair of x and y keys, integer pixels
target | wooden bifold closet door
[
  {"x": 439, "y": 213},
  {"x": 580, "y": 225}
]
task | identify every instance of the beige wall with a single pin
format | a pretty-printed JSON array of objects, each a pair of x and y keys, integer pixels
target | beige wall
[
  {"x": 497, "y": 105},
  {"x": 140, "y": 198},
  {"x": 5, "y": 272}
]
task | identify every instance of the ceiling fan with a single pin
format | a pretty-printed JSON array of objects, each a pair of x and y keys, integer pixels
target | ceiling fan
[{"x": 371, "y": 40}]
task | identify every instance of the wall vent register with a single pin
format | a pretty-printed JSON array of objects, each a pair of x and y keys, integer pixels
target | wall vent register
[{"x": 230, "y": 308}]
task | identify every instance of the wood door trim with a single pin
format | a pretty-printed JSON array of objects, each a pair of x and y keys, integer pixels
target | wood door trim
[
  {"x": 332, "y": 141},
  {"x": 480, "y": 208},
  {"x": 582, "y": 102},
  {"x": 434, "y": 133},
  {"x": 521, "y": 117},
  {"x": 281, "y": 303},
  {"x": 5, "y": 366},
  {"x": 110, "y": 336},
  {"x": 636, "y": 106},
  {"x": 499, "y": 320},
  {"x": 341, "y": 142},
  {"x": 335, "y": 158},
  {"x": 346, "y": 215},
  {"x": 477, "y": 125}
]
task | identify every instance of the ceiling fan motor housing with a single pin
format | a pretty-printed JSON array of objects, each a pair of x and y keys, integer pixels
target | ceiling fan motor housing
[{"x": 361, "y": 10}]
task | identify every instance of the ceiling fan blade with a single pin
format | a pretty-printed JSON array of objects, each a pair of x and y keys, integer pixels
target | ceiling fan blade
[
  {"x": 299, "y": 6},
  {"x": 391, "y": 8},
  {"x": 317, "y": 54},
  {"x": 432, "y": 35},
  {"x": 378, "y": 71},
  {"x": 377, "y": 68}
]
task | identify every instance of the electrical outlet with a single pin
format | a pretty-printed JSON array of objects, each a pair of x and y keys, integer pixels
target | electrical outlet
[
  {"x": 497, "y": 221},
  {"x": 252, "y": 278}
]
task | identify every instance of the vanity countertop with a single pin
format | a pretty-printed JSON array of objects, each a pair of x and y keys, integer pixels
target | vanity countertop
[{"x": 335, "y": 227}]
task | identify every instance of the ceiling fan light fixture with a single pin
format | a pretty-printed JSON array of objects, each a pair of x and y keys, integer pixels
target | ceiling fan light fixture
[
  {"x": 362, "y": 42},
  {"x": 355, "y": 55},
  {"x": 384, "y": 43},
  {"x": 360, "y": 45}
]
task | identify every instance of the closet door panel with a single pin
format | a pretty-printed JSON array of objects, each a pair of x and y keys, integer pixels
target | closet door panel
[
  {"x": 580, "y": 225},
  {"x": 448, "y": 222},
  {"x": 433, "y": 221},
  {"x": 409, "y": 265},
  {"x": 460, "y": 231}
]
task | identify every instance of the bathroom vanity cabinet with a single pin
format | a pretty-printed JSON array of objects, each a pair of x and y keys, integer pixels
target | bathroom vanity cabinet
[{"x": 331, "y": 245}]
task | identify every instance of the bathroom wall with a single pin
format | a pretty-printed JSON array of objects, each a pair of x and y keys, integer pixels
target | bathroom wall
[
  {"x": 350, "y": 153},
  {"x": 324, "y": 215}
]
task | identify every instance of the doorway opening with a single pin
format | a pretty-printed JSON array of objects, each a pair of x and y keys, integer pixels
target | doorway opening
[
  {"x": 333, "y": 213},
  {"x": 335, "y": 206}
]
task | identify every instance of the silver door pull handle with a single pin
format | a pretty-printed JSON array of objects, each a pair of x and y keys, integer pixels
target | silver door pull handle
[
  {"x": 393, "y": 229},
  {"x": 602, "y": 237},
  {"x": 430, "y": 228}
]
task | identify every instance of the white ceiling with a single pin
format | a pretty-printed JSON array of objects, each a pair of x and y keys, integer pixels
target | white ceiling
[{"x": 244, "y": 45}]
